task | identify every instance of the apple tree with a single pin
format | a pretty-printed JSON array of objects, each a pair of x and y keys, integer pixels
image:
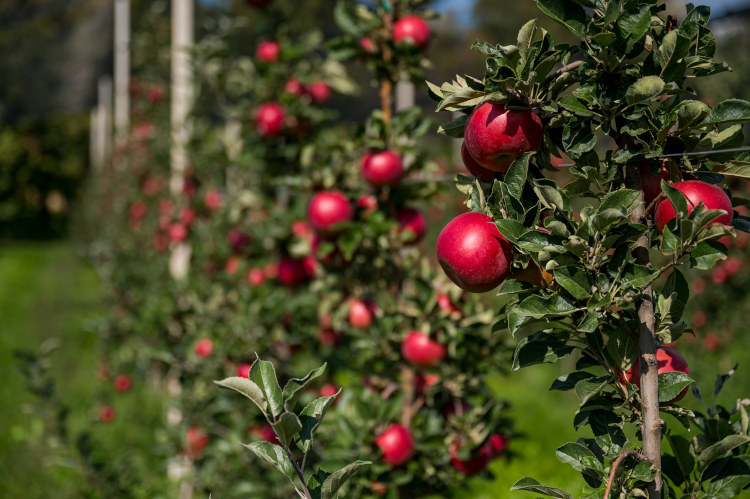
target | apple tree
[{"x": 602, "y": 256}]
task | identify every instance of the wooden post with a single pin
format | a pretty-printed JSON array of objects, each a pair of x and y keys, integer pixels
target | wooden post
[
  {"x": 122, "y": 71},
  {"x": 182, "y": 95},
  {"x": 104, "y": 120}
]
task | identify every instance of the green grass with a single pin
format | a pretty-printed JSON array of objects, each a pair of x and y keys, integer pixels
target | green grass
[{"x": 45, "y": 293}]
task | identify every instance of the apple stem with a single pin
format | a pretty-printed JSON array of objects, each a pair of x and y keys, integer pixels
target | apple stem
[{"x": 651, "y": 423}]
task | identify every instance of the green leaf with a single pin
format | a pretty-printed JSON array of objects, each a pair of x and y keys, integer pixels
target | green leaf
[
  {"x": 572, "y": 104},
  {"x": 676, "y": 197},
  {"x": 286, "y": 427},
  {"x": 337, "y": 479},
  {"x": 644, "y": 471},
  {"x": 728, "y": 111},
  {"x": 677, "y": 287},
  {"x": 574, "y": 280},
  {"x": 619, "y": 199},
  {"x": 644, "y": 90},
  {"x": 622, "y": 348},
  {"x": 263, "y": 374},
  {"x": 734, "y": 477},
  {"x": 568, "y": 381},
  {"x": 247, "y": 388},
  {"x": 682, "y": 454},
  {"x": 346, "y": 19},
  {"x": 671, "y": 384},
  {"x": 515, "y": 177},
  {"x": 578, "y": 456},
  {"x": 530, "y": 485},
  {"x": 455, "y": 127},
  {"x": 705, "y": 255},
  {"x": 691, "y": 112},
  {"x": 568, "y": 14},
  {"x": 295, "y": 386},
  {"x": 311, "y": 416},
  {"x": 733, "y": 169},
  {"x": 540, "y": 348},
  {"x": 720, "y": 449},
  {"x": 511, "y": 229},
  {"x": 274, "y": 455},
  {"x": 587, "y": 388},
  {"x": 632, "y": 25}
]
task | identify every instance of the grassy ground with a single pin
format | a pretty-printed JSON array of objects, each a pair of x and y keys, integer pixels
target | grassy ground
[{"x": 45, "y": 293}]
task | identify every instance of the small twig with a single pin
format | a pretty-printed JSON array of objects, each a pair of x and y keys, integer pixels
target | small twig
[
  {"x": 299, "y": 473},
  {"x": 564, "y": 69},
  {"x": 616, "y": 464},
  {"x": 407, "y": 386}
]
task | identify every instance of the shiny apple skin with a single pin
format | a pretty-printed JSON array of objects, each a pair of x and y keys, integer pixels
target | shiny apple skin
[{"x": 695, "y": 191}]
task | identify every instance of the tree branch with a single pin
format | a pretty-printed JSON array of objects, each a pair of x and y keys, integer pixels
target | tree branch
[
  {"x": 615, "y": 464},
  {"x": 568, "y": 67}
]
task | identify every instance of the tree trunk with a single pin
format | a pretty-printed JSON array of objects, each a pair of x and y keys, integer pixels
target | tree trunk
[{"x": 651, "y": 422}]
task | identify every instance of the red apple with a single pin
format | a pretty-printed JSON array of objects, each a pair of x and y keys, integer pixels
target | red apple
[
  {"x": 269, "y": 119},
  {"x": 668, "y": 360},
  {"x": 423, "y": 382},
  {"x": 719, "y": 276},
  {"x": 397, "y": 444},
  {"x": 177, "y": 232},
  {"x": 271, "y": 270},
  {"x": 413, "y": 222},
  {"x": 265, "y": 432},
  {"x": 161, "y": 242},
  {"x": 419, "y": 349},
  {"x": 360, "y": 316},
  {"x": 446, "y": 305},
  {"x": 238, "y": 240},
  {"x": 155, "y": 93},
  {"x": 329, "y": 337},
  {"x": 295, "y": 88},
  {"x": 232, "y": 265},
  {"x": 411, "y": 30},
  {"x": 291, "y": 271},
  {"x": 378, "y": 488},
  {"x": 243, "y": 370},
  {"x": 212, "y": 199},
  {"x": 195, "y": 440},
  {"x": 319, "y": 91},
  {"x": 367, "y": 44},
  {"x": 368, "y": 204},
  {"x": 382, "y": 168},
  {"x": 310, "y": 264},
  {"x": 475, "y": 168},
  {"x": 138, "y": 210},
  {"x": 476, "y": 463},
  {"x": 268, "y": 52},
  {"x": 107, "y": 414},
  {"x": 699, "y": 319},
  {"x": 732, "y": 266},
  {"x": 301, "y": 229},
  {"x": 327, "y": 210},
  {"x": 496, "y": 136},
  {"x": 256, "y": 277},
  {"x": 711, "y": 342},
  {"x": 123, "y": 383},
  {"x": 203, "y": 347},
  {"x": 498, "y": 444},
  {"x": 695, "y": 192},
  {"x": 328, "y": 390},
  {"x": 473, "y": 253},
  {"x": 650, "y": 183},
  {"x": 699, "y": 285},
  {"x": 187, "y": 216}
]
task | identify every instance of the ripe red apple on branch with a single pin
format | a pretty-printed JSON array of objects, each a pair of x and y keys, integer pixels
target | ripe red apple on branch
[
  {"x": 413, "y": 223},
  {"x": 668, "y": 360},
  {"x": 473, "y": 253},
  {"x": 397, "y": 444},
  {"x": 696, "y": 192},
  {"x": 268, "y": 52},
  {"x": 475, "y": 168},
  {"x": 650, "y": 183},
  {"x": 412, "y": 30},
  {"x": 419, "y": 349},
  {"x": 495, "y": 136},
  {"x": 360, "y": 315},
  {"x": 382, "y": 168},
  {"x": 269, "y": 119},
  {"x": 327, "y": 210}
]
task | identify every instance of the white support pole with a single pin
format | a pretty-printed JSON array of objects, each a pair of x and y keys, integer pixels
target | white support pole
[
  {"x": 122, "y": 71},
  {"x": 182, "y": 41},
  {"x": 104, "y": 119},
  {"x": 405, "y": 98}
]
